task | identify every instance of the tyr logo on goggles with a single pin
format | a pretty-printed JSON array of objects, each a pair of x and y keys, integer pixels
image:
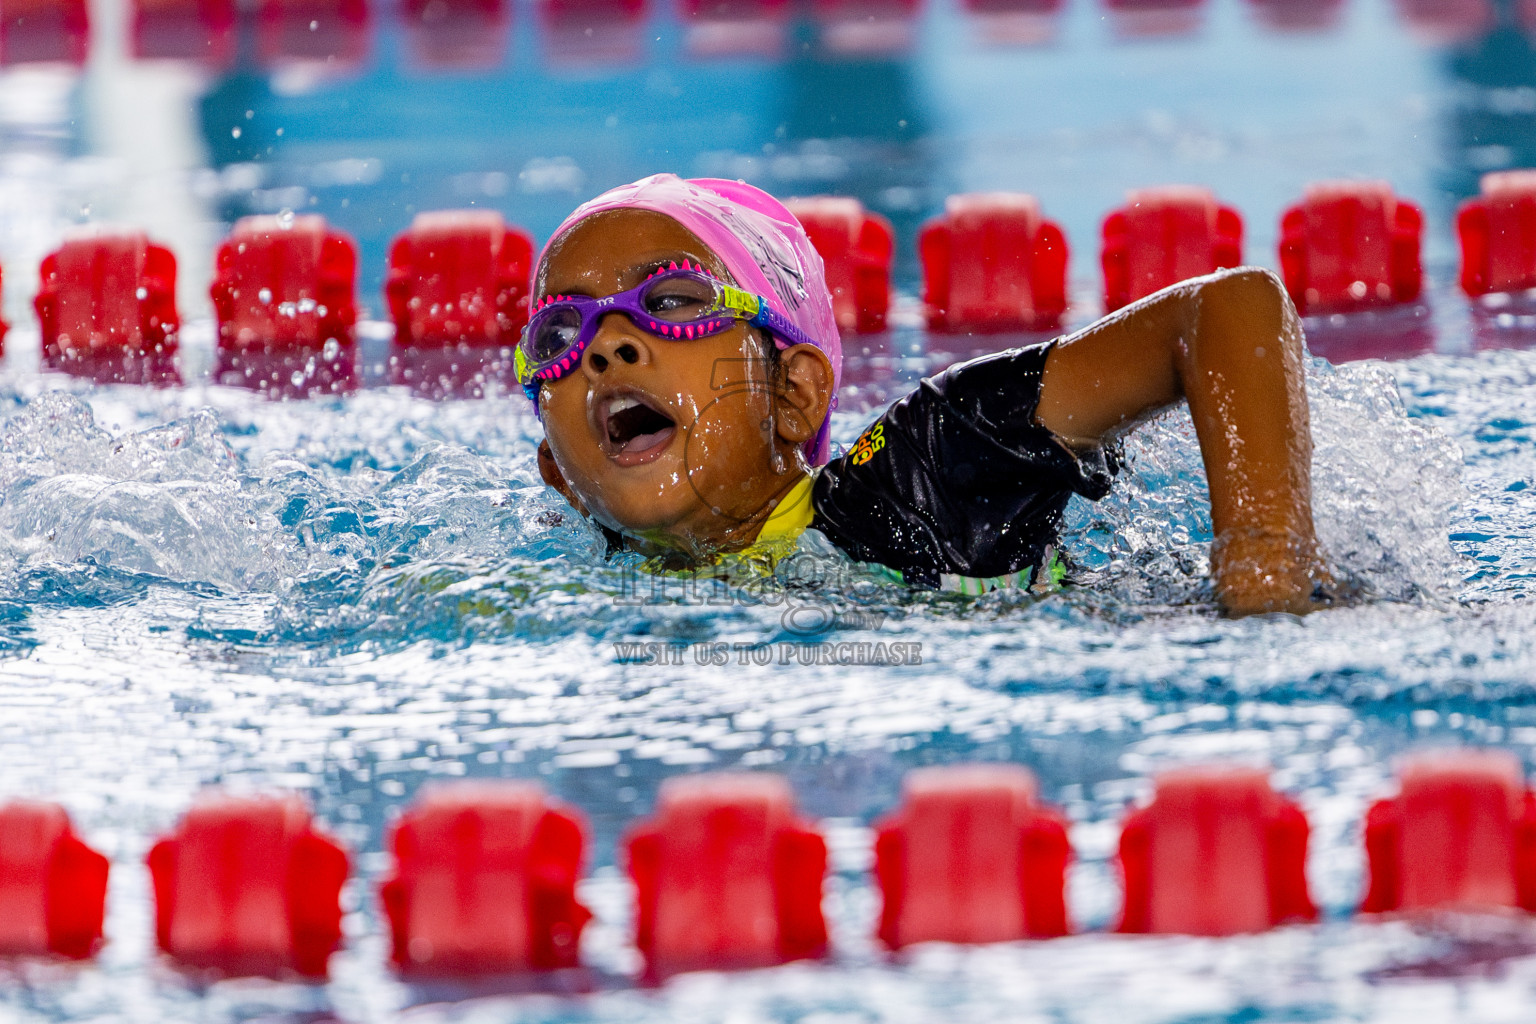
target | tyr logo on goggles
[{"x": 679, "y": 302}]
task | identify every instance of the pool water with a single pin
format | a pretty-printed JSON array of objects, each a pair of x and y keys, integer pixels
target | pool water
[{"x": 350, "y": 597}]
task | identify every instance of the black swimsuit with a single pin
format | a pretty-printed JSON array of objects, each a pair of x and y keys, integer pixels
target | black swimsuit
[{"x": 957, "y": 479}]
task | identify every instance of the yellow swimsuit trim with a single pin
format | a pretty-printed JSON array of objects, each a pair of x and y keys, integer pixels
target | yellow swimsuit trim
[
  {"x": 789, "y": 519},
  {"x": 782, "y": 529}
]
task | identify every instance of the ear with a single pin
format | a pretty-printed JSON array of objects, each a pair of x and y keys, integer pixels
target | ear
[
  {"x": 803, "y": 398},
  {"x": 556, "y": 479}
]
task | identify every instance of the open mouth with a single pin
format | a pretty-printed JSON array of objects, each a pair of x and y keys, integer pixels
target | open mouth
[{"x": 634, "y": 430}]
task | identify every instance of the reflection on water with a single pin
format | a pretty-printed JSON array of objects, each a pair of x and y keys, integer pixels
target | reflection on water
[
  {"x": 460, "y": 371},
  {"x": 1397, "y": 333},
  {"x": 1504, "y": 321}
]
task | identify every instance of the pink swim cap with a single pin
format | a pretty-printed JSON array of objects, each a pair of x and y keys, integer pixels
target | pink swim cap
[{"x": 761, "y": 244}]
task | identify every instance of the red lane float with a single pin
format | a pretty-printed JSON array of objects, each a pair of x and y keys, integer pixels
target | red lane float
[
  {"x": 755, "y": 12},
  {"x": 594, "y": 29},
  {"x": 1014, "y": 22},
  {"x": 1297, "y": 15},
  {"x": 197, "y": 30},
  {"x": 993, "y": 263},
  {"x": 866, "y": 26},
  {"x": 1498, "y": 234},
  {"x": 283, "y": 294},
  {"x": 750, "y": 12},
  {"x": 1163, "y": 236},
  {"x": 1146, "y": 5},
  {"x": 106, "y": 305},
  {"x": 1460, "y": 833},
  {"x": 457, "y": 291},
  {"x": 44, "y": 30},
  {"x": 839, "y": 10},
  {"x": 1350, "y": 245},
  {"x": 1044, "y": 8},
  {"x": 459, "y": 277},
  {"x": 247, "y": 886},
  {"x": 1154, "y": 18},
  {"x": 333, "y": 32},
  {"x": 53, "y": 888},
  {"x": 592, "y": 32},
  {"x": 726, "y": 876},
  {"x": 856, "y": 247},
  {"x": 735, "y": 28},
  {"x": 971, "y": 856},
  {"x": 457, "y": 33},
  {"x": 1217, "y": 852},
  {"x": 485, "y": 882},
  {"x": 568, "y": 11},
  {"x": 1448, "y": 22}
]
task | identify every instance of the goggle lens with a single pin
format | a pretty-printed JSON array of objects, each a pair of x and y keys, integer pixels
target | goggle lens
[
  {"x": 554, "y": 332},
  {"x": 680, "y": 299},
  {"x": 677, "y": 297}
]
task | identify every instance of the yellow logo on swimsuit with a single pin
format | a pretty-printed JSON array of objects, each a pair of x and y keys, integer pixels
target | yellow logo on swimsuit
[{"x": 869, "y": 442}]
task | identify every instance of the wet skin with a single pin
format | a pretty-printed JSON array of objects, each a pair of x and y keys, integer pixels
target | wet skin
[
  {"x": 1230, "y": 344},
  {"x": 683, "y": 446}
]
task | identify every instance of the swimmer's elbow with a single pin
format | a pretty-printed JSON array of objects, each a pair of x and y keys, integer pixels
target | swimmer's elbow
[
  {"x": 1261, "y": 278},
  {"x": 1248, "y": 286}
]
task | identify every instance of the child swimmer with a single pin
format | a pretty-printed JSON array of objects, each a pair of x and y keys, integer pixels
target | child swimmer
[{"x": 684, "y": 359}]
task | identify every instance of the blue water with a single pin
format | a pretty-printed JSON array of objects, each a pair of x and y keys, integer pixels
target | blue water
[{"x": 351, "y": 597}]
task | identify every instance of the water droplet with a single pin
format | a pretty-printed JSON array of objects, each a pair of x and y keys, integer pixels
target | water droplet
[
  {"x": 297, "y": 379},
  {"x": 141, "y": 294},
  {"x": 285, "y": 218},
  {"x": 314, "y": 26},
  {"x": 85, "y": 209},
  {"x": 235, "y": 132},
  {"x": 331, "y": 350}
]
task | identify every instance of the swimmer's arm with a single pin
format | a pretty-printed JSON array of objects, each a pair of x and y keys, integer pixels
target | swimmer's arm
[{"x": 1231, "y": 345}]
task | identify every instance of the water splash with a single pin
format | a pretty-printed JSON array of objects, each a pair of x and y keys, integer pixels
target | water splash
[
  {"x": 164, "y": 502},
  {"x": 457, "y": 546},
  {"x": 1383, "y": 490},
  {"x": 1384, "y": 486}
]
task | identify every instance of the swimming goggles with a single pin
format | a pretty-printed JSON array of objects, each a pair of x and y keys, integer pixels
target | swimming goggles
[{"x": 680, "y": 301}]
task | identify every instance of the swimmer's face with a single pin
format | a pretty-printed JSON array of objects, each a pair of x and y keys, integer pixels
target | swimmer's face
[{"x": 677, "y": 444}]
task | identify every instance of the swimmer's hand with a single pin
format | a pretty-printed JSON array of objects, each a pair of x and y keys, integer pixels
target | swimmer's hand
[{"x": 1258, "y": 571}]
